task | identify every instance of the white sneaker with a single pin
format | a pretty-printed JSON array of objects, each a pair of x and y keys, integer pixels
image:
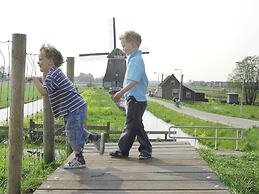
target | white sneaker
[{"x": 77, "y": 162}]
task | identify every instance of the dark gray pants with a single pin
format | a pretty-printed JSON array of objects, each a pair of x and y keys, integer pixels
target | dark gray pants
[{"x": 134, "y": 127}]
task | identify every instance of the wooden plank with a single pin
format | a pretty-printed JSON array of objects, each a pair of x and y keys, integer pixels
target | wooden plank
[
  {"x": 156, "y": 143},
  {"x": 174, "y": 168},
  {"x": 157, "y": 151},
  {"x": 153, "y": 161},
  {"x": 134, "y": 156},
  {"x": 156, "y": 169},
  {"x": 133, "y": 192},
  {"x": 90, "y": 176},
  {"x": 132, "y": 185}
]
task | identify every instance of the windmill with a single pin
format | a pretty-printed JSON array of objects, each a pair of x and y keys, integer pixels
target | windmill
[{"x": 116, "y": 65}]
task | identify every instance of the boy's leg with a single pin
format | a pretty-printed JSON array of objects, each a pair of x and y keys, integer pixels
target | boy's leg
[
  {"x": 88, "y": 136},
  {"x": 75, "y": 135},
  {"x": 145, "y": 147},
  {"x": 128, "y": 136},
  {"x": 97, "y": 139}
]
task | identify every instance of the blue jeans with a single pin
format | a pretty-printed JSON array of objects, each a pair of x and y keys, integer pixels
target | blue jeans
[
  {"x": 75, "y": 128},
  {"x": 134, "y": 128}
]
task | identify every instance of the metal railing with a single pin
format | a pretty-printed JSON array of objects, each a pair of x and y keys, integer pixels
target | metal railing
[
  {"x": 238, "y": 137},
  {"x": 170, "y": 135}
]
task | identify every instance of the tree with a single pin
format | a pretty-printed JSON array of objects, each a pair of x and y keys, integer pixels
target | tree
[
  {"x": 246, "y": 72},
  {"x": 85, "y": 78}
]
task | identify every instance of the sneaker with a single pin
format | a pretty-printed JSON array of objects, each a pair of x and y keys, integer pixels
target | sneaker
[
  {"x": 118, "y": 154},
  {"x": 77, "y": 162},
  {"x": 144, "y": 156},
  {"x": 98, "y": 141}
]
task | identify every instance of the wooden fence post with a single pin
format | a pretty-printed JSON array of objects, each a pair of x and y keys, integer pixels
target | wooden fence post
[
  {"x": 108, "y": 132},
  {"x": 70, "y": 68},
  {"x": 70, "y": 75},
  {"x": 15, "y": 148},
  {"x": 48, "y": 131}
]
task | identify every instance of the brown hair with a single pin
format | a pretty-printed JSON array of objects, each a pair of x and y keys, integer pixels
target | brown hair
[{"x": 53, "y": 53}]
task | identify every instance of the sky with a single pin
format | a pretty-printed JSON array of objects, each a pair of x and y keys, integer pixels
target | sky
[{"x": 201, "y": 38}]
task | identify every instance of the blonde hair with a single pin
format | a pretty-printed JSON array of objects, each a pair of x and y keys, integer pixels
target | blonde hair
[
  {"x": 133, "y": 37},
  {"x": 52, "y": 53}
]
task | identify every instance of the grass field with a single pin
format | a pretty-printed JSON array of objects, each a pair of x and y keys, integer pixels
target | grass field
[
  {"x": 247, "y": 111},
  {"x": 175, "y": 118},
  {"x": 30, "y": 94},
  {"x": 216, "y": 96},
  {"x": 101, "y": 109},
  {"x": 239, "y": 173},
  {"x": 214, "y": 106}
]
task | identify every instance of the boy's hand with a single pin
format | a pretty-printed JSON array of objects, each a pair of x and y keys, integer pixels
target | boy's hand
[
  {"x": 39, "y": 85},
  {"x": 37, "y": 79},
  {"x": 117, "y": 96},
  {"x": 28, "y": 79}
]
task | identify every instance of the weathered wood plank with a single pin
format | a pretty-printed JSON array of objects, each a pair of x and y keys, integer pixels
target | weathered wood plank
[
  {"x": 174, "y": 168},
  {"x": 132, "y": 185},
  {"x": 154, "y": 161},
  {"x": 176, "y": 143},
  {"x": 133, "y": 192},
  {"x": 126, "y": 176},
  {"x": 156, "y": 169},
  {"x": 134, "y": 156},
  {"x": 154, "y": 153}
]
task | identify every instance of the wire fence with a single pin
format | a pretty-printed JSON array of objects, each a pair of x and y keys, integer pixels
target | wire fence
[{"x": 32, "y": 156}]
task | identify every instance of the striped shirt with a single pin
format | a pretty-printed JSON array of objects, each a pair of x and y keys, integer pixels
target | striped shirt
[{"x": 63, "y": 95}]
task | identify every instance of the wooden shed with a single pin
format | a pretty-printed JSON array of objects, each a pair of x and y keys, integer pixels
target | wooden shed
[{"x": 232, "y": 98}]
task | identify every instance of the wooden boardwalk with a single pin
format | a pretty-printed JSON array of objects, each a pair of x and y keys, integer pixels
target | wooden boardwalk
[{"x": 176, "y": 167}]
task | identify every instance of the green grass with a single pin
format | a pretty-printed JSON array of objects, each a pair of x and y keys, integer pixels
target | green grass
[
  {"x": 248, "y": 111},
  {"x": 250, "y": 142},
  {"x": 216, "y": 95},
  {"x": 30, "y": 94},
  {"x": 219, "y": 94},
  {"x": 175, "y": 118},
  {"x": 102, "y": 109},
  {"x": 214, "y": 106},
  {"x": 35, "y": 171},
  {"x": 239, "y": 173},
  {"x": 3, "y": 166},
  {"x": 213, "y": 93}
]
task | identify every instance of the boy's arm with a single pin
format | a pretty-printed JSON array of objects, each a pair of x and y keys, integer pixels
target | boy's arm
[
  {"x": 117, "y": 96},
  {"x": 38, "y": 83}
]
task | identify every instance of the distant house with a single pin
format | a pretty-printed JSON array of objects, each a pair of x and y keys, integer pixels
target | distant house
[
  {"x": 115, "y": 70},
  {"x": 169, "y": 88}
]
